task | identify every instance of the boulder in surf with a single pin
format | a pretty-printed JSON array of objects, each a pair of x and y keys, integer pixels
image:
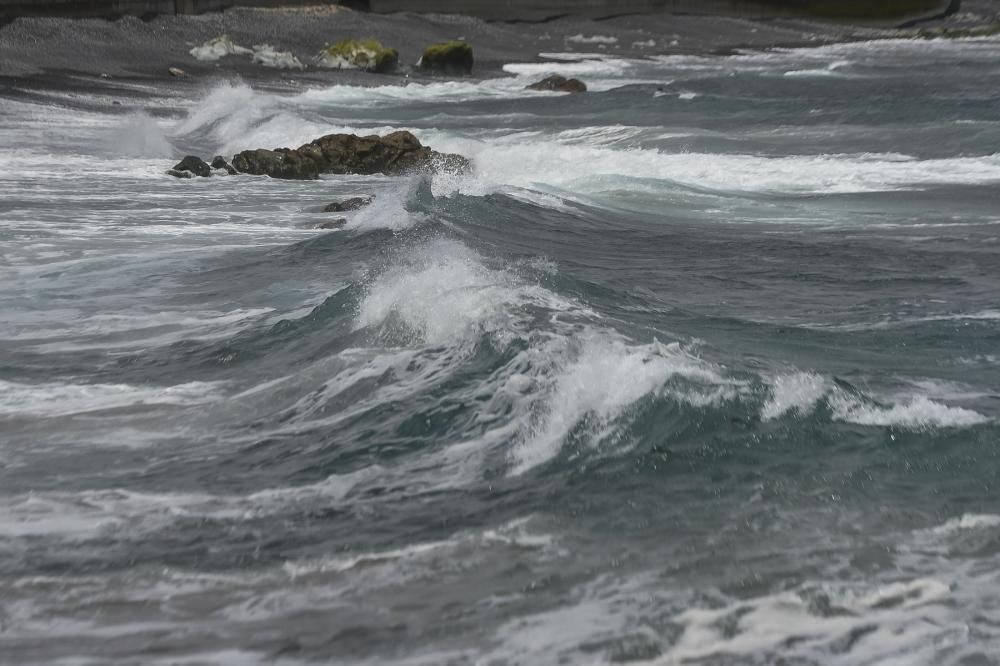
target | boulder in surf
[
  {"x": 448, "y": 58},
  {"x": 395, "y": 154},
  {"x": 220, "y": 163},
  {"x": 193, "y": 165}
]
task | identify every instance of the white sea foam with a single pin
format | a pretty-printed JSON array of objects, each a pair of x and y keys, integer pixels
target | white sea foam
[
  {"x": 90, "y": 514},
  {"x": 965, "y": 522},
  {"x": 509, "y": 163},
  {"x": 917, "y": 413},
  {"x": 833, "y": 69},
  {"x": 801, "y": 392},
  {"x": 413, "y": 560},
  {"x": 594, "y": 384},
  {"x": 798, "y": 392},
  {"x": 592, "y": 39},
  {"x": 581, "y": 376},
  {"x": 598, "y": 71},
  {"x": 140, "y": 136},
  {"x": 892, "y": 621},
  {"x": 443, "y": 292},
  {"x": 62, "y": 399},
  {"x": 388, "y": 210}
]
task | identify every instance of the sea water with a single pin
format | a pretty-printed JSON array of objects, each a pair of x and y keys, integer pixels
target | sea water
[{"x": 699, "y": 367}]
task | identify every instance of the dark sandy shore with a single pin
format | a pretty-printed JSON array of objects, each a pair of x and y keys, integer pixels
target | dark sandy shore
[{"x": 119, "y": 56}]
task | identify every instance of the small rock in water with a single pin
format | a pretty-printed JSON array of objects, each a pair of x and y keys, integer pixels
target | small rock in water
[
  {"x": 194, "y": 165},
  {"x": 558, "y": 83},
  {"x": 333, "y": 224},
  {"x": 219, "y": 162},
  {"x": 176, "y": 72},
  {"x": 348, "y": 204}
]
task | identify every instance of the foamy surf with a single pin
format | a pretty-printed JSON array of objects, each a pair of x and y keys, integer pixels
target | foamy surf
[{"x": 709, "y": 381}]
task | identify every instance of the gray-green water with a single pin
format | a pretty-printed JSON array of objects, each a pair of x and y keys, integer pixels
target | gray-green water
[{"x": 700, "y": 367}]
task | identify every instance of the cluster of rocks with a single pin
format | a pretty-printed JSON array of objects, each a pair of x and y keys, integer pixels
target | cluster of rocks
[
  {"x": 370, "y": 55},
  {"x": 192, "y": 166},
  {"x": 395, "y": 154}
]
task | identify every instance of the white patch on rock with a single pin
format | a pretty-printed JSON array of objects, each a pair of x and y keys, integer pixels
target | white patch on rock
[{"x": 215, "y": 49}]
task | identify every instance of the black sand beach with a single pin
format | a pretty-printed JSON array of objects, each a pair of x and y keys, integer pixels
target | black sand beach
[{"x": 40, "y": 52}]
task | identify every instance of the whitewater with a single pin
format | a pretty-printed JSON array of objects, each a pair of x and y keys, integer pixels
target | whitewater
[{"x": 699, "y": 367}]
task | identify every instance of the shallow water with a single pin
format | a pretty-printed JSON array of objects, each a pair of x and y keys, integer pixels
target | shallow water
[{"x": 699, "y": 367}]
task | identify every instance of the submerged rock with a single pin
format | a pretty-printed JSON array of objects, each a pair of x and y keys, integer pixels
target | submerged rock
[
  {"x": 219, "y": 162},
  {"x": 332, "y": 224},
  {"x": 353, "y": 203},
  {"x": 447, "y": 57},
  {"x": 368, "y": 55},
  {"x": 193, "y": 165},
  {"x": 392, "y": 155},
  {"x": 558, "y": 83}
]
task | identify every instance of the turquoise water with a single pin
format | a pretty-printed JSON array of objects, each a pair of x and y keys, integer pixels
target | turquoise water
[{"x": 700, "y": 367}]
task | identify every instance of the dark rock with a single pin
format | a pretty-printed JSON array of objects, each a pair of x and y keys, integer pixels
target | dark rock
[
  {"x": 281, "y": 163},
  {"x": 180, "y": 174},
  {"x": 559, "y": 84},
  {"x": 195, "y": 165},
  {"x": 332, "y": 224},
  {"x": 392, "y": 155},
  {"x": 448, "y": 57},
  {"x": 348, "y": 204},
  {"x": 219, "y": 162}
]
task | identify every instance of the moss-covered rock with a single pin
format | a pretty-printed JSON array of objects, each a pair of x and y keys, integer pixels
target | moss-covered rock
[
  {"x": 368, "y": 54},
  {"x": 447, "y": 57}
]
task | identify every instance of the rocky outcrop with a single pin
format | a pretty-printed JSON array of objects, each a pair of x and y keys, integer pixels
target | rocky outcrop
[
  {"x": 558, "y": 83},
  {"x": 368, "y": 55},
  {"x": 353, "y": 203},
  {"x": 392, "y": 155},
  {"x": 447, "y": 58},
  {"x": 220, "y": 163},
  {"x": 191, "y": 165}
]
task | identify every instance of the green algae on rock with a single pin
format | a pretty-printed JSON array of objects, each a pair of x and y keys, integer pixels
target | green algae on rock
[
  {"x": 368, "y": 54},
  {"x": 449, "y": 57}
]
